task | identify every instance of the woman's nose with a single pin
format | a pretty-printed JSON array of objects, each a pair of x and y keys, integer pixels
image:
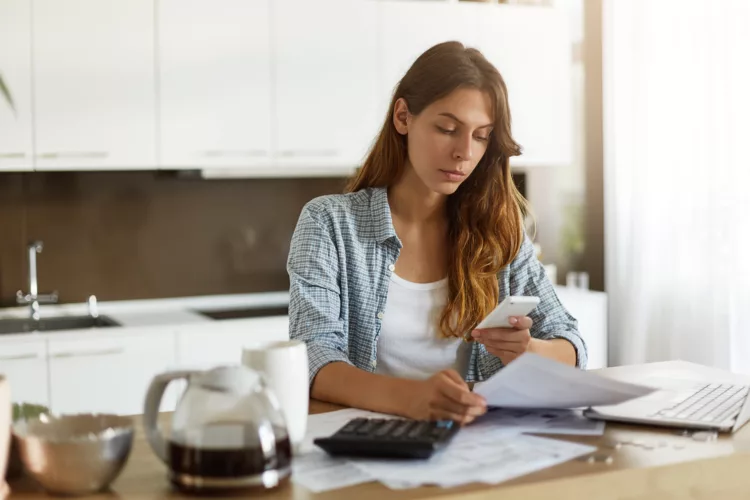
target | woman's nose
[{"x": 462, "y": 149}]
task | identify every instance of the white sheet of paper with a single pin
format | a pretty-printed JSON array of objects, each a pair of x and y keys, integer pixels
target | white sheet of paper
[
  {"x": 475, "y": 455},
  {"x": 568, "y": 422},
  {"x": 315, "y": 469},
  {"x": 532, "y": 381}
]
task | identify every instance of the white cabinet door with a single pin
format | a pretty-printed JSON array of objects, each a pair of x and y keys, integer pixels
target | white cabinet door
[
  {"x": 531, "y": 47},
  {"x": 94, "y": 84},
  {"x": 24, "y": 363},
  {"x": 220, "y": 343},
  {"x": 108, "y": 372},
  {"x": 16, "y": 151},
  {"x": 326, "y": 83},
  {"x": 215, "y": 83},
  {"x": 410, "y": 27},
  {"x": 589, "y": 308}
]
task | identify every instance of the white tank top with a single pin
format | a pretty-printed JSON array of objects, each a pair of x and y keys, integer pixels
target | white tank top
[{"x": 410, "y": 344}]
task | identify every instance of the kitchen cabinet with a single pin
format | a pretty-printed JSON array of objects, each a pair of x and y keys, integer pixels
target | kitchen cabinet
[
  {"x": 16, "y": 152},
  {"x": 589, "y": 308},
  {"x": 23, "y": 362},
  {"x": 410, "y": 27},
  {"x": 203, "y": 346},
  {"x": 108, "y": 372},
  {"x": 94, "y": 84},
  {"x": 531, "y": 47},
  {"x": 325, "y": 75},
  {"x": 214, "y": 63},
  {"x": 254, "y": 87}
]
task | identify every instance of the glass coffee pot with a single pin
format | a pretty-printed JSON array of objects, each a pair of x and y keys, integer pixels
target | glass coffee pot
[{"x": 227, "y": 433}]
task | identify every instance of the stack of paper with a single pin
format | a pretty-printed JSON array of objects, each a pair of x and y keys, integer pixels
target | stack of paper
[
  {"x": 491, "y": 450},
  {"x": 475, "y": 456},
  {"x": 538, "y": 396}
]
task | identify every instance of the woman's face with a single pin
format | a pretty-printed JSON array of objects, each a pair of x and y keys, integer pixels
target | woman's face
[{"x": 448, "y": 138}]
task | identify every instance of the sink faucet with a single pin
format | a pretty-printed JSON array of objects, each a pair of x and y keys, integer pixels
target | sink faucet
[{"x": 33, "y": 298}]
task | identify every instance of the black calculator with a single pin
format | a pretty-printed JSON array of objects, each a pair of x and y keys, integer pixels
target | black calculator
[{"x": 389, "y": 438}]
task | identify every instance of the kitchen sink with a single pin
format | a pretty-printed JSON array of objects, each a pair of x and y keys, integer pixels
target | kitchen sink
[
  {"x": 246, "y": 312},
  {"x": 24, "y": 325}
]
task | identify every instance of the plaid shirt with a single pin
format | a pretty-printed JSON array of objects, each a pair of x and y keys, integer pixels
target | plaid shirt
[{"x": 342, "y": 254}]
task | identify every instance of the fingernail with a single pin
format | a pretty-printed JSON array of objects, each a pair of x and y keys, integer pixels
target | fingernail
[{"x": 513, "y": 320}]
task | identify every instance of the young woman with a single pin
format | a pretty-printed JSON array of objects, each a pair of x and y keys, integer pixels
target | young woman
[{"x": 389, "y": 280}]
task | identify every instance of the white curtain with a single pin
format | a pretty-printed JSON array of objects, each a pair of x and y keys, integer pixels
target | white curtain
[{"x": 677, "y": 180}]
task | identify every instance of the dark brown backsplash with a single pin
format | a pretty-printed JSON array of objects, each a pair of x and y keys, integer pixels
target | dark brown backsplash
[{"x": 132, "y": 235}]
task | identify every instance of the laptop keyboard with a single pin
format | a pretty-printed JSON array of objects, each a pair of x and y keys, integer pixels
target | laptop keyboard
[{"x": 710, "y": 403}]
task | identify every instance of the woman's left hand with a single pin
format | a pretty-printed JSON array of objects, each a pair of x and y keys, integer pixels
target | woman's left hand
[{"x": 507, "y": 343}]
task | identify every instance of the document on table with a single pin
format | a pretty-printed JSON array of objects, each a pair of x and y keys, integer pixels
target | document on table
[
  {"x": 317, "y": 471},
  {"x": 523, "y": 420},
  {"x": 475, "y": 455},
  {"x": 532, "y": 381},
  {"x": 491, "y": 450}
]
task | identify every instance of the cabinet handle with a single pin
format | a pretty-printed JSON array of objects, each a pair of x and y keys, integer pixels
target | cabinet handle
[
  {"x": 103, "y": 352},
  {"x": 74, "y": 154},
  {"x": 19, "y": 356},
  {"x": 249, "y": 153},
  {"x": 326, "y": 153},
  {"x": 12, "y": 155}
]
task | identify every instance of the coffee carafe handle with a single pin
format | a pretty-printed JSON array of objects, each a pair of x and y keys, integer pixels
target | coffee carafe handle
[{"x": 151, "y": 409}]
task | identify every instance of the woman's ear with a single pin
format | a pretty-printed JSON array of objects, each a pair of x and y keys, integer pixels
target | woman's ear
[{"x": 401, "y": 116}]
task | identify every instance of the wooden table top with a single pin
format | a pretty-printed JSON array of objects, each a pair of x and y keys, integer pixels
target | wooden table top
[{"x": 658, "y": 463}]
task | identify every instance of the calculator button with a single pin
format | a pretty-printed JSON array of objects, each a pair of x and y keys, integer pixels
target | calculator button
[
  {"x": 418, "y": 429},
  {"x": 352, "y": 425},
  {"x": 368, "y": 427},
  {"x": 437, "y": 432},
  {"x": 385, "y": 428},
  {"x": 402, "y": 428}
]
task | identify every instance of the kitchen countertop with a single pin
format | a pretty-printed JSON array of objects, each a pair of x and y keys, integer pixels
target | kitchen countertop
[
  {"x": 177, "y": 309},
  {"x": 151, "y": 312}
]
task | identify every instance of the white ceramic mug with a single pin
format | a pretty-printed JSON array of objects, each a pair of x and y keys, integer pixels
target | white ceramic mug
[{"x": 284, "y": 365}]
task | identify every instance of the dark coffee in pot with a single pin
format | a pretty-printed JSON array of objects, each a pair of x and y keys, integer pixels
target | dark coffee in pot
[{"x": 230, "y": 452}]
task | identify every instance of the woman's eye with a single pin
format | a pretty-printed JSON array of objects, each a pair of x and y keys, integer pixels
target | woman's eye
[
  {"x": 445, "y": 131},
  {"x": 483, "y": 139}
]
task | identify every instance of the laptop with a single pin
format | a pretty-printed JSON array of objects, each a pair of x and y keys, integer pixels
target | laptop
[{"x": 719, "y": 406}]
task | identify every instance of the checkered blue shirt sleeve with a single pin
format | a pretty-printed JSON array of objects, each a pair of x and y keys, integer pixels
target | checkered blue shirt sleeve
[{"x": 314, "y": 294}]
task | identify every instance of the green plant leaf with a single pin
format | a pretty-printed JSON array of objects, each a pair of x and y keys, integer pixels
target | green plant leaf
[
  {"x": 28, "y": 410},
  {"x": 6, "y": 93}
]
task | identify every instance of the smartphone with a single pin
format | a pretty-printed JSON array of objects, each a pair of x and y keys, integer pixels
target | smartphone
[{"x": 510, "y": 306}]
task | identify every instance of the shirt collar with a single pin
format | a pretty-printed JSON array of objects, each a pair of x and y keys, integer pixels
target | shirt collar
[{"x": 380, "y": 216}]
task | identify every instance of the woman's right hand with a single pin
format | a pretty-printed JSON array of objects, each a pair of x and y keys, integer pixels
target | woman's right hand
[{"x": 445, "y": 396}]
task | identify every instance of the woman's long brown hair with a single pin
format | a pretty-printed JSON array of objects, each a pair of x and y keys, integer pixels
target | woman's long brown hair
[{"x": 485, "y": 221}]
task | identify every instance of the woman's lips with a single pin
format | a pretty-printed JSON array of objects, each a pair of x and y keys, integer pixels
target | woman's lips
[{"x": 453, "y": 175}]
